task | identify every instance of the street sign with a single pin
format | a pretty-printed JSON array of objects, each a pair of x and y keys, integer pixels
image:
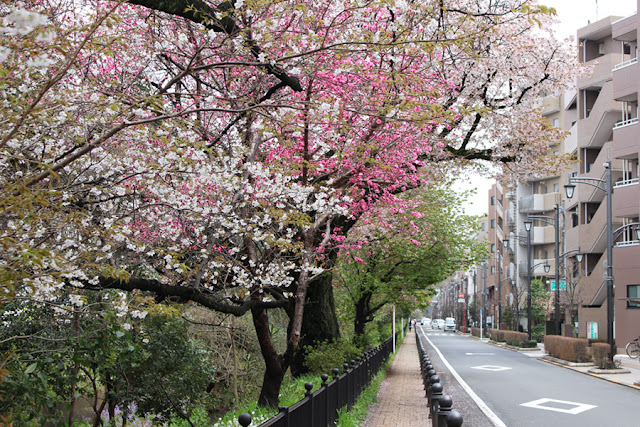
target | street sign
[
  {"x": 461, "y": 297},
  {"x": 592, "y": 330},
  {"x": 563, "y": 285}
]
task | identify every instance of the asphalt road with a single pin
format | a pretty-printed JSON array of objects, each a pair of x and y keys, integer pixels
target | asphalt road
[{"x": 519, "y": 390}]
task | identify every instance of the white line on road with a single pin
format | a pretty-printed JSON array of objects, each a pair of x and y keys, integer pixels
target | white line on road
[
  {"x": 483, "y": 406},
  {"x": 480, "y": 354},
  {"x": 573, "y": 408}
]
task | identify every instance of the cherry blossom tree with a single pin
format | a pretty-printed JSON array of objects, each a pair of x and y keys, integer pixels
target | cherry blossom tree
[{"x": 220, "y": 154}]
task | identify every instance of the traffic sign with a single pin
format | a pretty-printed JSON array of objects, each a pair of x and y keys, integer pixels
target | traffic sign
[{"x": 563, "y": 285}]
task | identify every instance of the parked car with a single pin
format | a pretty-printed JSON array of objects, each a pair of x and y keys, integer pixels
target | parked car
[
  {"x": 425, "y": 321},
  {"x": 438, "y": 324},
  {"x": 450, "y": 324}
]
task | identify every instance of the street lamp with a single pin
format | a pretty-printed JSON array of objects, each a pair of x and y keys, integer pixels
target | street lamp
[
  {"x": 530, "y": 268},
  {"x": 604, "y": 185},
  {"x": 527, "y": 227},
  {"x": 499, "y": 287},
  {"x": 555, "y": 221}
]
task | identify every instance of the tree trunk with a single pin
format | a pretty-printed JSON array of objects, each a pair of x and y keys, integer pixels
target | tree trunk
[
  {"x": 275, "y": 365},
  {"x": 362, "y": 308},
  {"x": 319, "y": 322}
]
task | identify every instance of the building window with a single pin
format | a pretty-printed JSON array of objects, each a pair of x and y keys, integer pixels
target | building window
[
  {"x": 493, "y": 269},
  {"x": 493, "y": 223},
  {"x": 556, "y": 188},
  {"x": 493, "y": 248},
  {"x": 556, "y": 123},
  {"x": 493, "y": 200},
  {"x": 633, "y": 291}
]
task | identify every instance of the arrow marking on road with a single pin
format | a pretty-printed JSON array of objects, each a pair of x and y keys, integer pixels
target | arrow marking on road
[
  {"x": 564, "y": 406},
  {"x": 491, "y": 368}
]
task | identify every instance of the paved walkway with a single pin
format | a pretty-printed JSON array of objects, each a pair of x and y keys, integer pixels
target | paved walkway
[{"x": 401, "y": 399}]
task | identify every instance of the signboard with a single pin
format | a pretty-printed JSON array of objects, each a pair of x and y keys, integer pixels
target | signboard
[
  {"x": 563, "y": 285},
  {"x": 592, "y": 330},
  {"x": 461, "y": 297}
]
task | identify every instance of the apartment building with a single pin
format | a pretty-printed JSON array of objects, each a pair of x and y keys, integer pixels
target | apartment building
[
  {"x": 498, "y": 280},
  {"x": 607, "y": 134}
]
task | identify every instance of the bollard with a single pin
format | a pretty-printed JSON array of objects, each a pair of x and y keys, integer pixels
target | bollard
[
  {"x": 454, "y": 419},
  {"x": 244, "y": 420},
  {"x": 436, "y": 394},
  {"x": 432, "y": 380},
  {"x": 444, "y": 408}
]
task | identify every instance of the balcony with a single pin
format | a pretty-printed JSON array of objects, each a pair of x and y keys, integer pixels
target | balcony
[
  {"x": 543, "y": 235},
  {"x": 602, "y": 67},
  {"x": 537, "y": 266},
  {"x": 538, "y": 203},
  {"x": 626, "y": 198},
  {"x": 550, "y": 105},
  {"x": 625, "y": 137},
  {"x": 626, "y": 83}
]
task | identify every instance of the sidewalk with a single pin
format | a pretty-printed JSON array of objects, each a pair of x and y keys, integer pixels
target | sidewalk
[{"x": 401, "y": 399}]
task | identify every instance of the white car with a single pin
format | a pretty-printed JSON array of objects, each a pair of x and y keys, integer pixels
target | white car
[
  {"x": 425, "y": 321},
  {"x": 438, "y": 324},
  {"x": 450, "y": 324}
]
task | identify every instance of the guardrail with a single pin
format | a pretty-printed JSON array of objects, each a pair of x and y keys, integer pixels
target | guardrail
[
  {"x": 439, "y": 403},
  {"x": 320, "y": 408}
]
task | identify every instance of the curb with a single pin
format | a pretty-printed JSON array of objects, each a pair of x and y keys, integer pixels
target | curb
[{"x": 635, "y": 386}]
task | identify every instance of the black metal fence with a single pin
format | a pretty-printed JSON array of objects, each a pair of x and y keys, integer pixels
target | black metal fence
[
  {"x": 320, "y": 408},
  {"x": 439, "y": 403}
]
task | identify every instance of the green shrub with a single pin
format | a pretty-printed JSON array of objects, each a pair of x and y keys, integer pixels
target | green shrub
[{"x": 323, "y": 357}]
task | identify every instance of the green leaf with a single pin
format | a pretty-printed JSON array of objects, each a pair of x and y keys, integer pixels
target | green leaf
[{"x": 31, "y": 368}]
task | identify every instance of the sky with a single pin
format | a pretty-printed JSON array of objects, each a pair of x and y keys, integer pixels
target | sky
[{"x": 573, "y": 14}]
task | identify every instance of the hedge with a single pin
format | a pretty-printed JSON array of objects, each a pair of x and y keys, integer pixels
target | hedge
[{"x": 566, "y": 348}]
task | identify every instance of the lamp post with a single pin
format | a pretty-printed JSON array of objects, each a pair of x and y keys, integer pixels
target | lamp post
[
  {"x": 484, "y": 297},
  {"x": 499, "y": 288},
  {"x": 527, "y": 227},
  {"x": 604, "y": 185},
  {"x": 555, "y": 221}
]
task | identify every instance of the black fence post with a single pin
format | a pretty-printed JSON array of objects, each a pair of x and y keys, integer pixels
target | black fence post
[
  {"x": 284, "y": 410},
  {"x": 244, "y": 420},
  {"x": 309, "y": 386}
]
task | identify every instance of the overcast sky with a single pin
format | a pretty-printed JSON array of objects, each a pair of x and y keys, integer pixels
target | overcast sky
[{"x": 573, "y": 14}]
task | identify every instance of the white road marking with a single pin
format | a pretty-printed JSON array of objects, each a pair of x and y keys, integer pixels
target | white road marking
[
  {"x": 497, "y": 422},
  {"x": 572, "y": 408},
  {"x": 492, "y": 368},
  {"x": 480, "y": 354}
]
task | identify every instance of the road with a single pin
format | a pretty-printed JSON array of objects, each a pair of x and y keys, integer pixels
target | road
[{"x": 520, "y": 390}]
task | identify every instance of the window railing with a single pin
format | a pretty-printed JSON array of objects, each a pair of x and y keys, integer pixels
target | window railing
[
  {"x": 625, "y": 123},
  {"x": 633, "y": 181},
  {"x": 625, "y": 64}
]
